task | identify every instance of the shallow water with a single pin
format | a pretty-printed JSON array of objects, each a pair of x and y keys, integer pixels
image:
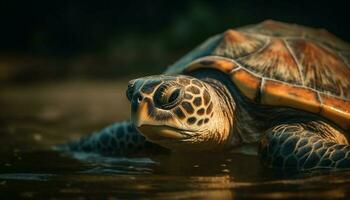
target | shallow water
[{"x": 34, "y": 118}]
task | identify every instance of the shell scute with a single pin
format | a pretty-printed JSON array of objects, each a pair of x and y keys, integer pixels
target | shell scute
[
  {"x": 322, "y": 69},
  {"x": 279, "y": 94},
  {"x": 247, "y": 83},
  {"x": 235, "y": 44},
  {"x": 214, "y": 62},
  {"x": 279, "y": 64},
  {"x": 274, "y": 61},
  {"x": 336, "y": 109}
]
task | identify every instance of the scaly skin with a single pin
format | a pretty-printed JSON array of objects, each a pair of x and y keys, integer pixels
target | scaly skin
[
  {"x": 294, "y": 146},
  {"x": 119, "y": 139}
]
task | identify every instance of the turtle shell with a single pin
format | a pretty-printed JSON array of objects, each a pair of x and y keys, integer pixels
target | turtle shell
[{"x": 280, "y": 64}]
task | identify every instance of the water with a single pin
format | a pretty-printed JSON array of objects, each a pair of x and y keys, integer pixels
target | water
[{"x": 34, "y": 118}]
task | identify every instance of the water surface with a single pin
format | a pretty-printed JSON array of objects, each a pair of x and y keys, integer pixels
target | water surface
[{"x": 34, "y": 118}]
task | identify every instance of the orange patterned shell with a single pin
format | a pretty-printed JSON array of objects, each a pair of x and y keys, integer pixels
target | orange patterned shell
[{"x": 280, "y": 64}]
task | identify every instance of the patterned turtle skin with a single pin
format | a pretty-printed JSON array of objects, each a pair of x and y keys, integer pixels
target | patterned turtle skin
[{"x": 282, "y": 87}]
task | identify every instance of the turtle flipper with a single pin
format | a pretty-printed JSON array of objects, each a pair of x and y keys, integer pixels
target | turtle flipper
[
  {"x": 292, "y": 146},
  {"x": 117, "y": 139}
]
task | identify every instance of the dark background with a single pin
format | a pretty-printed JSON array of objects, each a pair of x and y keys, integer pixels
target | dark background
[{"x": 54, "y": 40}]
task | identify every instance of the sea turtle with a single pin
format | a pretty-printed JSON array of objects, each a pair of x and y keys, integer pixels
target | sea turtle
[{"x": 282, "y": 87}]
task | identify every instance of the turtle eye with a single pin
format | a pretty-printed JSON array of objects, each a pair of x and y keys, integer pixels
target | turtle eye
[
  {"x": 174, "y": 96},
  {"x": 167, "y": 97}
]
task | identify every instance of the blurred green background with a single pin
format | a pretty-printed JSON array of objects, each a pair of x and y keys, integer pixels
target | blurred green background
[{"x": 60, "y": 40}]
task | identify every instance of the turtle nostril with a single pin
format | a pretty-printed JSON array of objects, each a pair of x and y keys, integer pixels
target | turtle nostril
[
  {"x": 139, "y": 99},
  {"x": 136, "y": 100}
]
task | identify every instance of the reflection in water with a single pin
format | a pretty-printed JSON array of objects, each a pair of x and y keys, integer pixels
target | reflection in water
[
  {"x": 26, "y": 176},
  {"x": 29, "y": 168},
  {"x": 202, "y": 194}
]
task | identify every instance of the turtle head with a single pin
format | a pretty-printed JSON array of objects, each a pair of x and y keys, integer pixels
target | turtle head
[{"x": 179, "y": 112}]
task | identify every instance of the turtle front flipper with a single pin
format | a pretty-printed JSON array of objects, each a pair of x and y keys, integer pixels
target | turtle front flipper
[
  {"x": 303, "y": 147},
  {"x": 119, "y": 139}
]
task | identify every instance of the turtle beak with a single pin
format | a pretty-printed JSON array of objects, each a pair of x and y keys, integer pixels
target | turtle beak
[
  {"x": 151, "y": 128},
  {"x": 143, "y": 110},
  {"x": 139, "y": 110},
  {"x": 161, "y": 132},
  {"x": 152, "y": 120},
  {"x": 144, "y": 116}
]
